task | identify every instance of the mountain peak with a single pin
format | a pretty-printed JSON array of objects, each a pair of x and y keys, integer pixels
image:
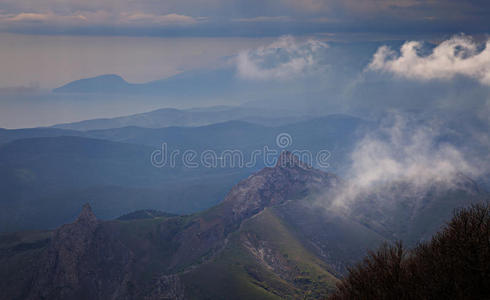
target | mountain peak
[
  {"x": 289, "y": 179},
  {"x": 108, "y": 83},
  {"x": 290, "y": 160},
  {"x": 87, "y": 216}
]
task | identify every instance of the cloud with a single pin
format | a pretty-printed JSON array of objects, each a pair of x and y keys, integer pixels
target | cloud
[
  {"x": 41, "y": 18},
  {"x": 261, "y": 19},
  {"x": 98, "y": 18},
  {"x": 253, "y": 17},
  {"x": 281, "y": 60},
  {"x": 403, "y": 152},
  {"x": 169, "y": 19},
  {"x": 28, "y": 17},
  {"x": 458, "y": 56}
]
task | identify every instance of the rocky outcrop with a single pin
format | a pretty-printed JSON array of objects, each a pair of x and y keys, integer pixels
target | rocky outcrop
[
  {"x": 289, "y": 179},
  {"x": 167, "y": 287},
  {"x": 268, "y": 257},
  {"x": 83, "y": 261}
]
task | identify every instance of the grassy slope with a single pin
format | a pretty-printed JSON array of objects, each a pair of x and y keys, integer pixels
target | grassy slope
[
  {"x": 233, "y": 274},
  {"x": 237, "y": 274}
]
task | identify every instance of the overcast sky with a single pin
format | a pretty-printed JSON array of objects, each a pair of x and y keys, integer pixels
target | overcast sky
[
  {"x": 240, "y": 17},
  {"x": 341, "y": 54},
  {"x": 50, "y": 42}
]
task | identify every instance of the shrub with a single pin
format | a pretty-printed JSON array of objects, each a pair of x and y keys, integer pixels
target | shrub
[{"x": 455, "y": 264}]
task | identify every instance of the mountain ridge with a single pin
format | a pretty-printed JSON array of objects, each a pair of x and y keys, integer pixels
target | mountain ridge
[
  {"x": 188, "y": 242},
  {"x": 165, "y": 117},
  {"x": 266, "y": 240}
]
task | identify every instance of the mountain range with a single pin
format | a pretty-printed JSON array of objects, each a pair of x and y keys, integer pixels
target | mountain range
[
  {"x": 111, "y": 168},
  {"x": 220, "y": 81},
  {"x": 268, "y": 239},
  {"x": 168, "y": 117}
]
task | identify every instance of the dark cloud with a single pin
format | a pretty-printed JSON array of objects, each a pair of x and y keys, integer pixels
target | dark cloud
[{"x": 242, "y": 17}]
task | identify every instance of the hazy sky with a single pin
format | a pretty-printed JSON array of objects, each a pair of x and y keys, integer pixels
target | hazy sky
[
  {"x": 52, "y": 60},
  {"x": 240, "y": 17},
  {"x": 51, "y": 42},
  {"x": 282, "y": 50}
]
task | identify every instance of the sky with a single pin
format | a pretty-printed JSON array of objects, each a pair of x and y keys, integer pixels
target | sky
[
  {"x": 240, "y": 17},
  {"x": 417, "y": 60},
  {"x": 49, "y": 42},
  {"x": 341, "y": 55},
  {"x": 49, "y": 61}
]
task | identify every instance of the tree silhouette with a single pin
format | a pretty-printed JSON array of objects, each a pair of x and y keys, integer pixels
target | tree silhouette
[{"x": 455, "y": 264}]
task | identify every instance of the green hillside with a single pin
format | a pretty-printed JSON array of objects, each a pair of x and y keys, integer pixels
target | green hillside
[{"x": 262, "y": 260}]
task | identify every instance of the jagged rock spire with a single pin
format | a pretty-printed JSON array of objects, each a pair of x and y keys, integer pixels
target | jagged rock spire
[{"x": 87, "y": 216}]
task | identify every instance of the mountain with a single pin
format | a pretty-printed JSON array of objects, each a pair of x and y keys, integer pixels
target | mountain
[
  {"x": 114, "y": 174},
  {"x": 268, "y": 239},
  {"x": 240, "y": 249},
  {"x": 145, "y": 214},
  {"x": 196, "y": 82},
  {"x": 101, "y": 84},
  {"x": 401, "y": 211},
  {"x": 111, "y": 169},
  {"x": 336, "y": 133},
  {"x": 37, "y": 175},
  {"x": 219, "y": 82},
  {"x": 9, "y": 135},
  {"x": 167, "y": 117}
]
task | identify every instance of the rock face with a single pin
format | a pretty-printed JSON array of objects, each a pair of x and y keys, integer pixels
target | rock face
[
  {"x": 168, "y": 287},
  {"x": 289, "y": 179},
  {"x": 269, "y": 257},
  {"x": 83, "y": 261}
]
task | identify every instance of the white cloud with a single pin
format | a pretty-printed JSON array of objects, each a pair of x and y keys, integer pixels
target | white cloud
[
  {"x": 283, "y": 59},
  {"x": 458, "y": 56},
  {"x": 402, "y": 152}
]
